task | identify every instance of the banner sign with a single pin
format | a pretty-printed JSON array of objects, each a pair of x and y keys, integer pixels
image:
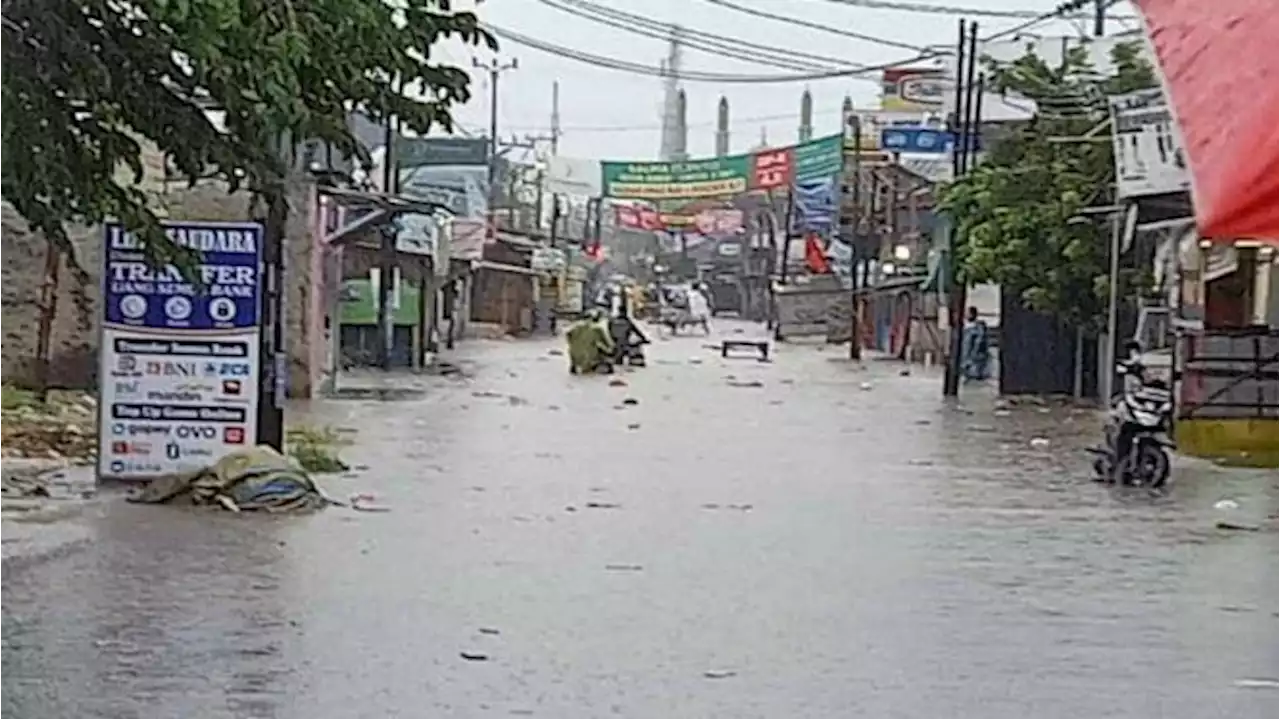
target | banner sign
[
  {"x": 916, "y": 140},
  {"x": 718, "y": 221},
  {"x": 722, "y": 176},
  {"x": 715, "y": 177},
  {"x": 1148, "y": 157},
  {"x": 179, "y": 363},
  {"x": 914, "y": 89},
  {"x": 636, "y": 216},
  {"x": 814, "y": 205}
]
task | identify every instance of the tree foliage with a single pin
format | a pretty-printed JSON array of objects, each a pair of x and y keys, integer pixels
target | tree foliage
[
  {"x": 87, "y": 81},
  {"x": 1018, "y": 213}
]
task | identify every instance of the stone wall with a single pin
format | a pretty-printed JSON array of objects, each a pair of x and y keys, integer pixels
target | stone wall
[{"x": 74, "y": 342}]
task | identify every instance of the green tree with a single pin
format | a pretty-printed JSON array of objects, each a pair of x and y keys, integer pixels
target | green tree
[
  {"x": 87, "y": 81},
  {"x": 1018, "y": 213}
]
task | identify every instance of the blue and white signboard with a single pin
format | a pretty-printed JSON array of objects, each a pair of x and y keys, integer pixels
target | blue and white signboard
[
  {"x": 918, "y": 140},
  {"x": 178, "y": 372}
]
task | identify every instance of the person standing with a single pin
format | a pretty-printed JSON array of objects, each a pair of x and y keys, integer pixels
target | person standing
[{"x": 975, "y": 352}]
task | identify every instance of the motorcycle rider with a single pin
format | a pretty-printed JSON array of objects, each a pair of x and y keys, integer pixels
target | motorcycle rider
[
  {"x": 1132, "y": 369},
  {"x": 626, "y": 335}
]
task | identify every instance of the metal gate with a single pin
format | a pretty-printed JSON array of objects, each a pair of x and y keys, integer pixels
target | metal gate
[{"x": 1228, "y": 374}]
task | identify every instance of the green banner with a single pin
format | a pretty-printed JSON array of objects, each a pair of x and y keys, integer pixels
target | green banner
[
  {"x": 723, "y": 176},
  {"x": 716, "y": 177},
  {"x": 818, "y": 158}
]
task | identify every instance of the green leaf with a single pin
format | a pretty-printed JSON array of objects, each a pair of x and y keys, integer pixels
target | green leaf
[
  {"x": 88, "y": 83},
  {"x": 1014, "y": 212}
]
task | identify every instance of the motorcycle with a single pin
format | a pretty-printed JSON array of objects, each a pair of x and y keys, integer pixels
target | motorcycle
[
  {"x": 628, "y": 343},
  {"x": 1144, "y": 414}
]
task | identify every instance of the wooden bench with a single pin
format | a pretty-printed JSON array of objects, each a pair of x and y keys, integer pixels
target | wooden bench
[{"x": 760, "y": 346}]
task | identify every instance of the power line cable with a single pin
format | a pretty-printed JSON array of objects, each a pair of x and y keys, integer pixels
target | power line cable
[
  {"x": 708, "y": 45},
  {"x": 733, "y": 122},
  {"x": 697, "y": 76},
  {"x": 938, "y": 9},
  {"x": 632, "y": 19},
  {"x": 814, "y": 26},
  {"x": 694, "y": 75}
]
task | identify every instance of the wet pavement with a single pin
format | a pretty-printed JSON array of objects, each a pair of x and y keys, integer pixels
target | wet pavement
[{"x": 795, "y": 539}]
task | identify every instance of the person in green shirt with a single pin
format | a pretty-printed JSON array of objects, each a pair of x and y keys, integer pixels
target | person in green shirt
[{"x": 589, "y": 343}]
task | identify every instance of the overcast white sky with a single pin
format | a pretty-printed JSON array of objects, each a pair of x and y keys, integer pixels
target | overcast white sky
[{"x": 608, "y": 114}]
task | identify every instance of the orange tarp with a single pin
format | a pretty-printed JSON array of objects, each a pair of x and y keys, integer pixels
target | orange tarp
[{"x": 1219, "y": 60}]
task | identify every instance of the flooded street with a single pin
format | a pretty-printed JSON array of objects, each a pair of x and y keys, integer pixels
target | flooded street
[{"x": 719, "y": 538}]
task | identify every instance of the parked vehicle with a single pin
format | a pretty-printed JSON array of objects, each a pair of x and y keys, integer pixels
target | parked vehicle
[{"x": 1136, "y": 443}]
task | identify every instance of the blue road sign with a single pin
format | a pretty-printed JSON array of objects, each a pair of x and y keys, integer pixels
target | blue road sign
[{"x": 916, "y": 140}]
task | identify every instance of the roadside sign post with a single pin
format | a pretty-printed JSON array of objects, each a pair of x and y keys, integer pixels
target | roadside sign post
[{"x": 179, "y": 363}]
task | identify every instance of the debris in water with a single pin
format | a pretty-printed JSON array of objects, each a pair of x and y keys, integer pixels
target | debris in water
[
  {"x": 1226, "y": 505},
  {"x": 634, "y": 425},
  {"x": 367, "y": 503},
  {"x": 719, "y": 673},
  {"x": 904, "y": 373},
  {"x": 556, "y": 353},
  {"x": 1257, "y": 684},
  {"x": 515, "y": 401},
  {"x": 695, "y": 360},
  {"x": 1223, "y": 524},
  {"x": 864, "y": 386},
  {"x": 488, "y": 630},
  {"x": 631, "y": 401},
  {"x": 752, "y": 384},
  {"x": 603, "y": 505},
  {"x": 474, "y": 656},
  {"x": 617, "y": 382},
  {"x": 738, "y": 507},
  {"x": 1039, "y": 442},
  {"x": 486, "y": 394},
  {"x": 1002, "y": 413},
  {"x": 624, "y": 567}
]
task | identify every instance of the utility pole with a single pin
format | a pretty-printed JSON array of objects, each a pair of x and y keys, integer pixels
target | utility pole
[
  {"x": 855, "y": 317},
  {"x": 962, "y": 124},
  {"x": 1099, "y": 18},
  {"x": 495, "y": 68},
  {"x": 555, "y": 117},
  {"x": 387, "y": 248}
]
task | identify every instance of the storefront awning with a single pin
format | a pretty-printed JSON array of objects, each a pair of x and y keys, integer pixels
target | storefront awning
[{"x": 1219, "y": 64}]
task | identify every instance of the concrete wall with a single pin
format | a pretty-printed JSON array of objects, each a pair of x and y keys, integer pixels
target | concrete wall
[{"x": 74, "y": 342}]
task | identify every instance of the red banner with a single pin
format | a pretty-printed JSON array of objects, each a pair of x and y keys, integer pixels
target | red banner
[
  {"x": 771, "y": 169},
  {"x": 1220, "y": 67},
  {"x": 637, "y": 217}
]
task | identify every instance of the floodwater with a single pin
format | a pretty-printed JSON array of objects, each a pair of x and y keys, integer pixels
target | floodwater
[{"x": 793, "y": 539}]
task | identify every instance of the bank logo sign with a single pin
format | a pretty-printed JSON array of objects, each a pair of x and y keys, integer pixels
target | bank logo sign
[{"x": 179, "y": 359}]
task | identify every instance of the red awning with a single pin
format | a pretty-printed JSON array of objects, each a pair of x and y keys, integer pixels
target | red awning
[{"x": 1219, "y": 62}]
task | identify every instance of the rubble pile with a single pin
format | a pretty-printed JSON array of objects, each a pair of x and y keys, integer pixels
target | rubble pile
[
  {"x": 258, "y": 479},
  {"x": 61, "y": 428}
]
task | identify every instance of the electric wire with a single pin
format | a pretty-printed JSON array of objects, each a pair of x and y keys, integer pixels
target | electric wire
[
  {"x": 939, "y": 9},
  {"x": 814, "y": 26},
  {"x": 584, "y": 8},
  {"x": 710, "y": 44},
  {"x": 694, "y": 75},
  {"x": 728, "y": 78}
]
